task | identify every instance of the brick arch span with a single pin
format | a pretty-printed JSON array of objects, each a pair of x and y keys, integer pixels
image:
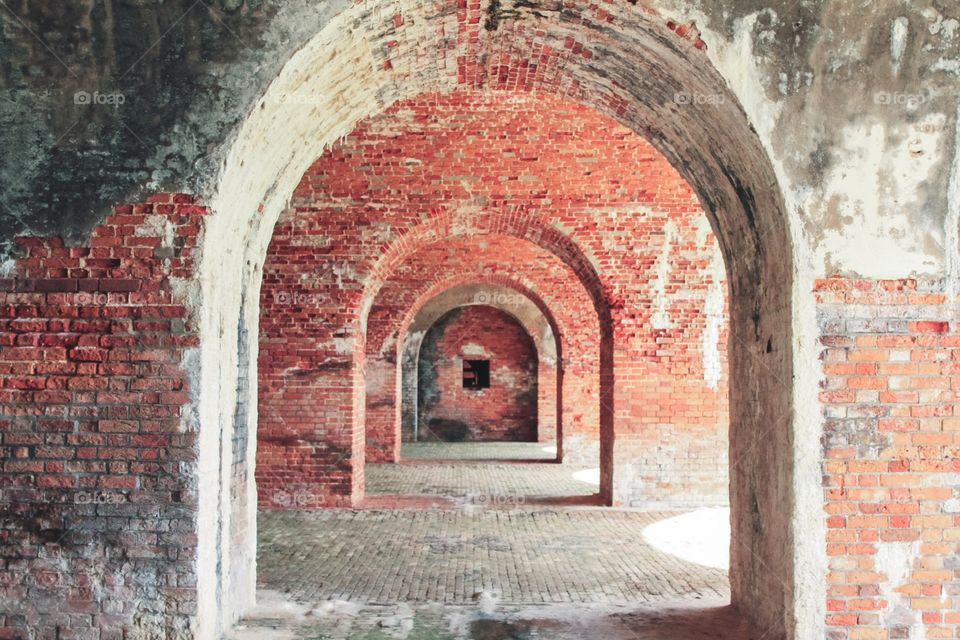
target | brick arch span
[
  {"x": 511, "y": 298},
  {"x": 394, "y": 391},
  {"x": 501, "y": 412},
  {"x": 525, "y": 223},
  {"x": 621, "y": 59},
  {"x": 313, "y": 332},
  {"x": 594, "y": 439},
  {"x": 515, "y": 265}
]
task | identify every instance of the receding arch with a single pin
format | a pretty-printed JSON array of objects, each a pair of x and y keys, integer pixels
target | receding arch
[
  {"x": 470, "y": 412},
  {"x": 527, "y": 309},
  {"x": 631, "y": 74},
  {"x": 560, "y": 306}
]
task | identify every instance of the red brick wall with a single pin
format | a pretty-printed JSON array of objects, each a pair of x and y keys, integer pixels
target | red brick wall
[
  {"x": 891, "y": 448},
  {"x": 549, "y": 172},
  {"x": 496, "y": 260},
  {"x": 97, "y": 516},
  {"x": 507, "y": 411}
]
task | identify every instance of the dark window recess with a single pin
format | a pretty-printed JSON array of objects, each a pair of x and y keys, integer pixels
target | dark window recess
[{"x": 476, "y": 374}]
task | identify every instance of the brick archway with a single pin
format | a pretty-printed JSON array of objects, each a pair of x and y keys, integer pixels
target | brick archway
[
  {"x": 507, "y": 296},
  {"x": 492, "y": 348},
  {"x": 641, "y": 64},
  {"x": 435, "y": 269}
]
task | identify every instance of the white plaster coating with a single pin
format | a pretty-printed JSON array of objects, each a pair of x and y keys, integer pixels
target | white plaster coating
[
  {"x": 809, "y": 522},
  {"x": 899, "y": 32},
  {"x": 661, "y": 317},
  {"x": 714, "y": 311},
  {"x": 876, "y": 189},
  {"x": 950, "y": 65},
  {"x": 902, "y": 255},
  {"x": 951, "y": 231},
  {"x": 157, "y": 226},
  {"x": 472, "y": 349},
  {"x": 896, "y": 560}
]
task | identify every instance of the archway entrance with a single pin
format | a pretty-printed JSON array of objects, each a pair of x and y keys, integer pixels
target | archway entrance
[{"x": 719, "y": 156}]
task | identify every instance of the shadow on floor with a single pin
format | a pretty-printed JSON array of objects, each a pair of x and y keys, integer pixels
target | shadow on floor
[
  {"x": 714, "y": 623},
  {"x": 386, "y": 501},
  {"x": 347, "y": 621}
]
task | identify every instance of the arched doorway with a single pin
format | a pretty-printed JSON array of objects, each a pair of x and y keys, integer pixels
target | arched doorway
[{"x": 712, "y": 146}]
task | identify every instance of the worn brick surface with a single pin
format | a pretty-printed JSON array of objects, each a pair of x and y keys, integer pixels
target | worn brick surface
[
  {"x": 97, "y": 501},
  {"x": 530, "y": 271},
  {"x": 551, "y": 174},
  {"x": 484, "y": 481},
  {"x": 489, "y": 451},
  {"x": 507, "y": 409},
  {"x": 524, "y": 556},
  {"x": 891, "y": 449}
]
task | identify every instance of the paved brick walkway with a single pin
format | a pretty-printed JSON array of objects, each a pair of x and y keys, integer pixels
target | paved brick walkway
[
  {"x": 521, "y": 556},
  {"x": 486, "y": 480},
  {"x": 477, "y": 451},
  {"x": 490, "y": 474},
  {"x": 494, "y": 564},
  {"x": 479, "y": 574}
]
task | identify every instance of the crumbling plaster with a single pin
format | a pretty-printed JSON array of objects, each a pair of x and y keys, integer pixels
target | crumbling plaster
[{"x": 821, "y": 81}]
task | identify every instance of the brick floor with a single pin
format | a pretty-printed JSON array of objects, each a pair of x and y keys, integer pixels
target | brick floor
[
  {"x": 494, "y": 564},
  {"x": 480, "y": 574},
  {"x": 484, "y": 481},
  {"x": 477, "y": 451},
  {"x": 522, "y": 556},
  {"x": 500, "y": 474}
]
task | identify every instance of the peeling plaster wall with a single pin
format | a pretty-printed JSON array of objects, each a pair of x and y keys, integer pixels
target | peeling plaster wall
[{"x": 815, "y": 79}]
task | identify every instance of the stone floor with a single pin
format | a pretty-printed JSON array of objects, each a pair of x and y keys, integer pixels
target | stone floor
[
  {"x": 495, "y": 564},
  {"x": 495, "y": 473},
  {"x": 520, "y": 556},
  {"x": 410, "y": 451}
]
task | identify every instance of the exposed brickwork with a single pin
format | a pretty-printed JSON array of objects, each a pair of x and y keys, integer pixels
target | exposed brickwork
[
  {"x": 891, "y": 447},
  {"x": 97, "y": 516},
  {"x": 507, "y": 410},
  {"x": 534, "y": 273},
  {"x": 548, "y": 172}
]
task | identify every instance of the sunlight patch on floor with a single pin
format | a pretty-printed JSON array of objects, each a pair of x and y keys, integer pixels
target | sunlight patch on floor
[
  {"x": 590, "y": 476},
  {"x": 701, "y": 536}
]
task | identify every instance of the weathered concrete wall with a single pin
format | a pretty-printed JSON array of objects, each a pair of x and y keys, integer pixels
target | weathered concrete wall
[
  {"x": 505, "y": 411},
  {"x": 819, "y": 81}
]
